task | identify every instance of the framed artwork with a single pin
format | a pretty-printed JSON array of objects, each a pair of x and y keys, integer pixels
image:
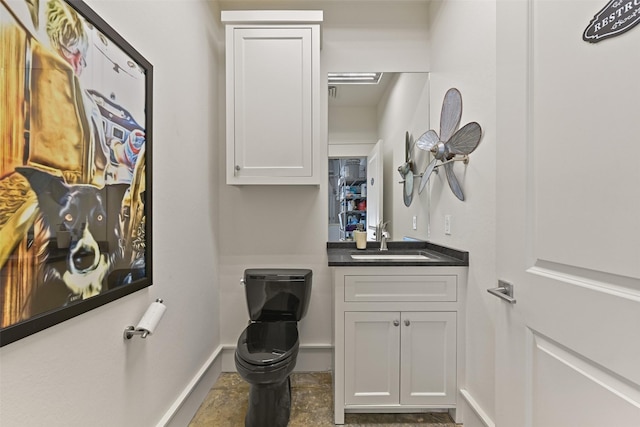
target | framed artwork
[{"x": 75, "y": 165}]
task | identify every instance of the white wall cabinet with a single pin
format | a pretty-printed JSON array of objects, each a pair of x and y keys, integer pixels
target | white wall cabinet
[
  {"x": 273, "y": 97},
  {"x": 398, "y": 339}
]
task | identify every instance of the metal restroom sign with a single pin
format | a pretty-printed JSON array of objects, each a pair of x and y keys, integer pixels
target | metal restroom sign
[{"x": 614, "y": 19}]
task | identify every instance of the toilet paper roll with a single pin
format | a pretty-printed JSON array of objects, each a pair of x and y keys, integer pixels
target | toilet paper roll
[{"x": 152, "y": 317}]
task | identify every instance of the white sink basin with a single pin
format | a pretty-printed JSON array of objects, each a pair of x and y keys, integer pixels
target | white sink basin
[{"x": 390, "y": 256}]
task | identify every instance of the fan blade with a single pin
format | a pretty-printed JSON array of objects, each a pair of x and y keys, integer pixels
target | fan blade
[
  {"x": 407, "y": 146},
  {"x": 426, "y": 175},
  {"x": 408, "y": 189},
  {"x": 428, "y": 140},
  {"x": 466, "y": 140},
  {"x": 453, "y": 181},
  {"x": 451, "y": 113}
]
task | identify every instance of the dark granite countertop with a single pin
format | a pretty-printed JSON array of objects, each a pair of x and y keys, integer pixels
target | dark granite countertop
[{"x": 339, "y": 255}]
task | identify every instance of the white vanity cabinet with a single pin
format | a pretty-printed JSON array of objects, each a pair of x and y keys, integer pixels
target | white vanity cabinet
[
  {"x": 401, "y": 358},
  {"x": 398, "y": 339},
  {"x": 272, "y": 96}
]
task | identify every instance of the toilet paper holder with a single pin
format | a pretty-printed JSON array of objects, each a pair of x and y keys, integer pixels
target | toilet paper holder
[{"x": 148, "y": 322}]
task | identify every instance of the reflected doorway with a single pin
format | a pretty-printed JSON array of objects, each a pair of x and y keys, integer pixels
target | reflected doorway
[
  {"x": 355, "y": 190},
  {"x": 347, "y": 197}
]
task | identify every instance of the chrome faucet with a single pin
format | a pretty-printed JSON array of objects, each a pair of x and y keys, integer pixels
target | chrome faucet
[{"x": 382, "y": 235}]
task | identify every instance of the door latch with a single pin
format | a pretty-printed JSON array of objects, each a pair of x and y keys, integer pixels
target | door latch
[{"x": 504, "y": 291}]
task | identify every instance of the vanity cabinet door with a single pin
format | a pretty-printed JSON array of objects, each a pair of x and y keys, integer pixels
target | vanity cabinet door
[
  {"x": 371, "y": 358},
  {"x": 428, "y": 358},
  {"x": 272, "y": 104},
  {"x": 403, "y": 358}
]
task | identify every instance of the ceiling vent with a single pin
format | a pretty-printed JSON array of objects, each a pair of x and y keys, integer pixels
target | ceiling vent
[{"x": 354, "y": 78}]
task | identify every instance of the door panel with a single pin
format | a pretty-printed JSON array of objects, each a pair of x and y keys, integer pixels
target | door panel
[
  {"x": 372, "y": 357},
  {"x": 554, "y": 364},
  {"x": 272, "y": 88},
  {"x": 428, "y": 358},
  {"x": 567, "y": 210},
  {"x": 585, "y": 114}
]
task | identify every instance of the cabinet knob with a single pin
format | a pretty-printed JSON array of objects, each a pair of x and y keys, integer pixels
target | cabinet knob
[
  {"x": 237, "y": 167},
  {"x": 407, "y": 322},
  {"x": 396, "y": 323}
]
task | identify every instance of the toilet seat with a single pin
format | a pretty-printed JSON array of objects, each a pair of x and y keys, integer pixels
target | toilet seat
[{"x": 268, "y": 343}]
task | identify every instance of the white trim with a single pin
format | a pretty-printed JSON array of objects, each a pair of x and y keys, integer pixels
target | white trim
[
  {"x": 197, "y": 380},
  {"x": 618, "y": 286},
  {"x": 356, "y": 149},
  {"x": 311, "y": 358},
  {"x": 482, "y": 415},
  {"x": 271, "y": 16}
]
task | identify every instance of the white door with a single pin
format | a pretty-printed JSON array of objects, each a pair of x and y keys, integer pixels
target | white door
[
  {"x": 371, "y": 358},
  {"x": 568, "y": 144},
  {"x": 427, "y": 358},
  {"x": 272, "y": 94},
  {"x": 374, "y": 189}
]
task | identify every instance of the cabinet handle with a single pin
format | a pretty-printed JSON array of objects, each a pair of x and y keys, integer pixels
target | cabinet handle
[
  {"x": 407, "y": 322},
  {"x": 396, "y": 323}
]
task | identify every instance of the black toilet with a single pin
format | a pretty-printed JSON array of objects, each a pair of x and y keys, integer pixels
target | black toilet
[{"x": 268, "y": 348}]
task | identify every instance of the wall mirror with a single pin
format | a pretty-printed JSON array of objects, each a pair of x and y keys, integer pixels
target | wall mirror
[{"x": 367, "y": 125}]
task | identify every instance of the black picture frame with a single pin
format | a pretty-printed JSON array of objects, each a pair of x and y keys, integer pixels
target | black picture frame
[{"x": 115, "y": 152}]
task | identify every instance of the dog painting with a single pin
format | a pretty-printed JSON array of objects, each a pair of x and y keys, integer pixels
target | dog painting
[
  {"x": 84, "y": 259},
  {"x": 75, "y": 172}
]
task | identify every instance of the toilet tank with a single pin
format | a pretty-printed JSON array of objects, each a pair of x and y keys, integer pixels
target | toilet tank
[{"x": 274, "y": 294}]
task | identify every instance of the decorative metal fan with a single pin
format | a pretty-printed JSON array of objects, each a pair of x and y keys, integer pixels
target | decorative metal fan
[
  {"x": 453, "y": 144},
  {"x": 406, "y": 170}
]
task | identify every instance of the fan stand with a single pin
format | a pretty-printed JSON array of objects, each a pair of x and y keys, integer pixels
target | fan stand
[{"x": 464, "y": 158}]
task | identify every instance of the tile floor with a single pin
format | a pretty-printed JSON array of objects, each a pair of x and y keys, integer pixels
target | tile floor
[{"x": 311, "y": 406}]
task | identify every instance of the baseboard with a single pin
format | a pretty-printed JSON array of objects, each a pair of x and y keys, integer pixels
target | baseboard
[
  {"x": 477, "y": 409},
  {"x": 311, "y": 358},
  {"x": 186, "y": 405}
]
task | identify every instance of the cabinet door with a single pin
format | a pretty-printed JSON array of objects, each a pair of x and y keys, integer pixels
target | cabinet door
[
  {"x": 270, "y": 128},
  {"x": 428, "y": 358},
  {"x": 372, "y": 357}
]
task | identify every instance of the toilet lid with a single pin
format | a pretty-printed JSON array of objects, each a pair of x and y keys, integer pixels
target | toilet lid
[{"x": 266, "y": 343}]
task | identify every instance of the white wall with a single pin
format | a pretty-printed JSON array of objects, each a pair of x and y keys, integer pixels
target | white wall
[
  {"x": 404, "y": 108},
  {"x": 463, "y": 55},
  {"x": 81, "y": 372},
  {"x": 271, "y": 226},
  {"x": 206, "y": 233},
  {"x": 352, "y": 125}
]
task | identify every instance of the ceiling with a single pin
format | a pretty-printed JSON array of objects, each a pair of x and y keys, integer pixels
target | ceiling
[{"x": 359, "y": 95}]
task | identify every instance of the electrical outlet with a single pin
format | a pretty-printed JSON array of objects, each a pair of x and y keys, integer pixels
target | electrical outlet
[
  {"x": 415, "y": 222},
  {"x": 447, "y": 224}
]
